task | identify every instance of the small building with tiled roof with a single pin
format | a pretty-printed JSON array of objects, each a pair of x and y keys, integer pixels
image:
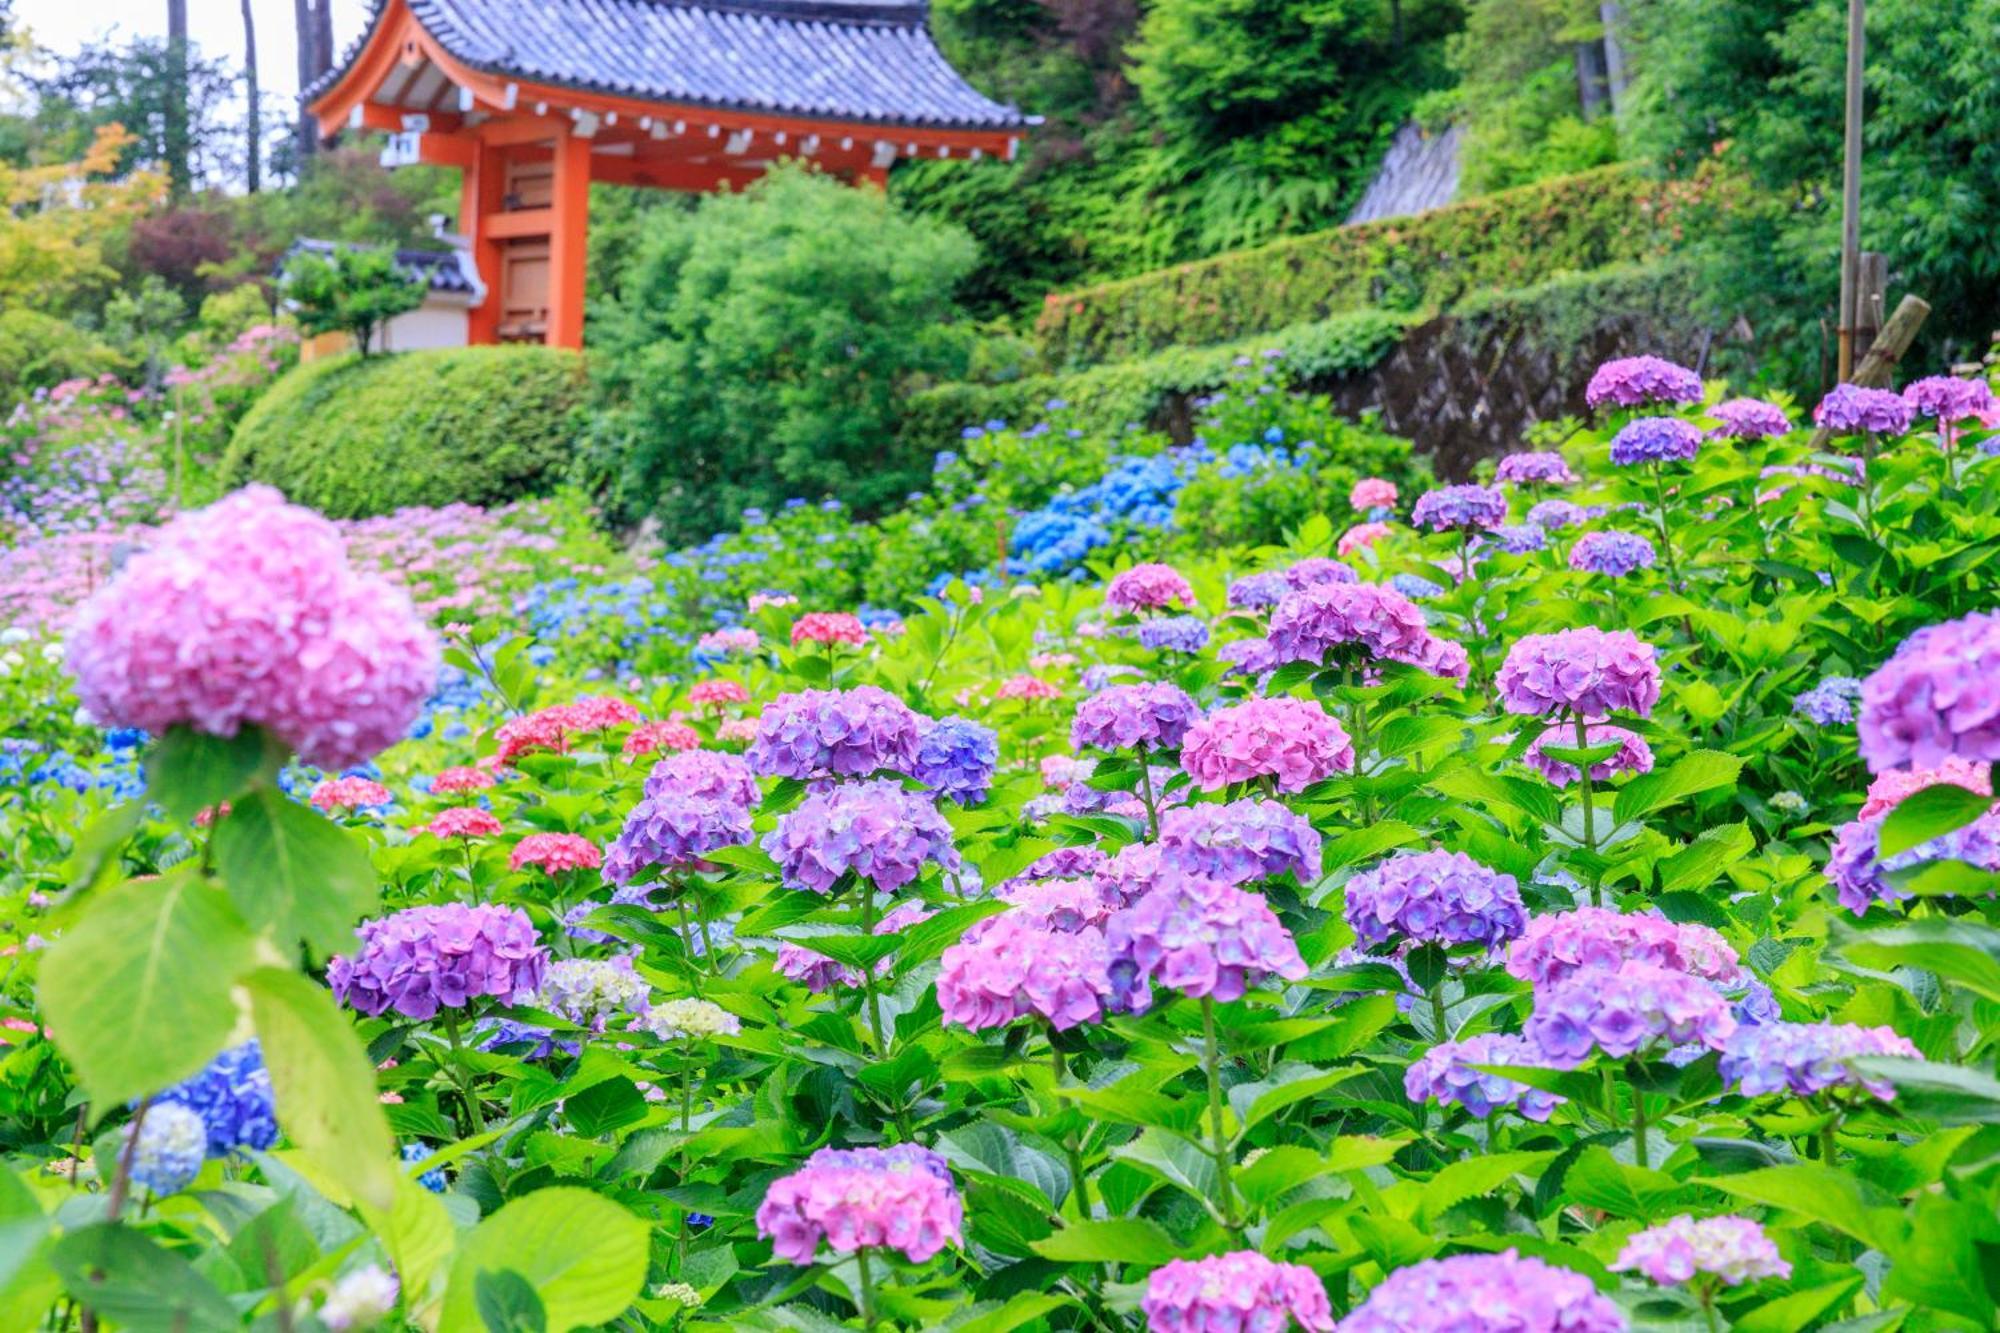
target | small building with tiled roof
[
  {"x": 453, "y": 289},
  {"x": 534, "y": 99}
]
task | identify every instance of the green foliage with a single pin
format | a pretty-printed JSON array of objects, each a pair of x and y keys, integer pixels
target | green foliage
[
  {"x": 350, "y": 290},
  {"x": 756, "y": 351},
  {"x": 1515, "y": 68},
  {"x": 483, "y": 425},
  {"x": 39, "y": 350}
]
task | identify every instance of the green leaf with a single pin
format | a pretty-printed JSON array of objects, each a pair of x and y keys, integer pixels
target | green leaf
[
  {"x": 507, "y": 1303},
  {"x": 1024, "y": 1308},
  {"x": 1279, "y": 1171},
  {"x": 584, "y": 1256},
  {"x": 1173, "y": 1160},
  {"x": 1798, "y": 1309},
  {"x": 748, "y": 857},
  {"x": 1116, "y": 1240},
  {"x": 1697, "y": 865},
  {"x": 938, "y": 932},
  {"x": 1824, "y": 1195},
  {"x": 137, "y": 992},
  {"x": 1955, "y": 950},
  {"x": 1932, "y": 1090},
  {"x": 605, "y": 1108},
  {"x": 1365, "y": 843},
  {"x": 1294, "y": 1083},
  {"x": 138, "y": 1284},
  {"x": 188, "y": 772},
  {"x": 1473, "y": 1177},
  {"x": 323, "y": 1082},
  {"x": 1930, "y": 813},
  {"x": 1600, "y": 1180},
  {"x": 293, "y": 871},
  {"x": 96, "y": 852},
  {"x": 1691, "y": 774},
  {"x": 417, "y": 1233}
]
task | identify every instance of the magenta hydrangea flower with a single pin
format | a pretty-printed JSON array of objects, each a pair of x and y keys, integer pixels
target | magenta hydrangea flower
[
  {"x": 1634, "y": 381},
  {"x": 1200, "y": 937},
  {"x": 1240, "y": 842},
  {"x": 1632, "y": 756},
  {"x": 423, "y": 959},
  {"x": 1434, "y": 897},
  {"x": 1317, "y": 569},
  {"x": 1019, "y": 964},
  {"x": 1614, "y": 553},
  {"x": 1448, "y": 508},
  {"x": 1445, "y": 1074},
  {"x": 1242, "y": 1291},
  {"x": 1587, "y": 673},
  {"x": 1558, "y": 946},
  {"x": 247, "y": 614},
  {"x": 1293, "y": 742},
  {"x": 1749, "y": 419},
  {"x": 899, "y": 1198},
  {"x": 1486, "y": 1293},
  {"x": 1147, "y": 587},
  {"x": 1625, "y": 1010},
  {"x": 1130, "y": 875},
  {"x": 1949, "y": 399},
  {"x": 1851, "y": 409},
  {"x": 877, "y": 830},
  {"x": 1860, "y": 874},
  {"x": 819, "y": 973},
  {"x": 835, "y": 733},
  {"x": 1347, "y": 621},
  {"x": 713, "y": 774},
  {"x": 674, "y": 831},
  {"x": 1806, "y": 1059},
  {"x": 1655, "y": 440},
  {"x": 1149, "y": 716},
  {"x": 1733, "y": 1250},
  {"x": 1545, "y": 467},
  {"x": 1937, "y": 698}
]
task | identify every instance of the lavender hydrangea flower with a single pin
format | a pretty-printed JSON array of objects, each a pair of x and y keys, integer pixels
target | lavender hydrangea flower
[
  {"x": 1860, "y": 875},
  {"x": 956, "y": 758},
  {"x": 835, "y": 733},
  {"x": 1851, "y": 409},
  {"x": 673, "y": 831},
  {"x": 1655, "y": 440},
  {"x": 1734, "y": 1250},
  {"x": 1248, "y": 657},
  {"x": 590, "y": 991},
  {"x": 1180, "y": 634},
  {"x": 1240, "y": 1291},
  {"x": 1587, "y": 673},
  {"x": 422, "y": 959},
  {"x": 233, "y": 1098},
  {"x": 1434, "y": 897},
  {"x": 1555, "y": 515},
  {"x": 1948, "y": 399},
  {"x": 1632, "y": 756},
  {"x": 1556, "y": 947},
  {"x": 1445, "y": 1075},
  {"x": 1635, "y": 381},
  {"x": 1317, "y": 569},
  {"x": 876, "y": 829},
  {"x": 1749, "y": 419},
  {"x": 1019, "y": 964},
  {"x": 1829, "y": 703},
  {"x": 171, "y": 1145},
  {"x": 1150, "y": 716},
  {"x": 1200, "y": 937},
  {"x": 1349, "y": 621},
  {"x": 1623, "y": 1011},
  {"x": 1520, "y": 538},
  {"x": 899, "y": 1198},
  {"x": 1102, "y": 676},
  {"x": 1486, "y": 1293},
  {"x": 1538, "y": 468},
  {"x": 1450, "y": 508},
  {"x": 1937, "y": 698},
  {"x": 710, "y": 774},
  {"x": 1062, "y": 863},
  {"x": 1147, "y": 587},
  {"x": 1253, "y": 591},
  {"x": 1240, "y": 842},
  {"x": 1807, "y": 1059},
  {"x": 1615, "y": 553}
]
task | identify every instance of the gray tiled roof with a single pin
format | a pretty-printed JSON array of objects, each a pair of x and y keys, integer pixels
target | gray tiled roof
[
  {"x": 441, "y": 270},
  {"x": 869, "y": 63}
]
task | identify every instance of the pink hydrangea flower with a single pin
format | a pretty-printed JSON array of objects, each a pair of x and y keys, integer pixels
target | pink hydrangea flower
[
  {"x": 1734, "y": 1250},
  {"x": 718, "y": 694},
  {"x": 1028, "y": 688},
  {"x": 723, "y": 642},
  {"x": 247, "y": 613},
  {"x": 463, "y": 821},
  {"x": 555, "y": 853},
  {"x": 1586, "y": 673},
  {"x": 1148, "y": 587},
  {"x": 1634, "y": 381},
  {"x": 759, "y": 600},
  {"x": 653, "y": 737},
  {"x": 1294, "y": 742},
  {"x": 1239, "y": 1291},
  {"x": 1013, "y": 965},
  {"x": 1372, "y": 493},
  {"x": 1361, "y": 536},
  {"x": 1889, "y": 789},
  {"x": 737, "y": 731},
  {"x": 599, "y": 713},
  {"x": 1936, "y": 698},
  {"x": 455, "y": 781},
  {"x": 1557, "y": 946},
  {"x": 1632, "y": 756},
  {"x": 545, "y": 730},
  {"x": 899, "y": 1198},
  {"x": 349, "y": 794},
  {"x": 828, "y": 628}
]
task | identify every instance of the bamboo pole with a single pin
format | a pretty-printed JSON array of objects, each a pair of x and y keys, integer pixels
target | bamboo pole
[
  {"x": 1850, "y": 186},
  {"x": 1880, "y": 363}
]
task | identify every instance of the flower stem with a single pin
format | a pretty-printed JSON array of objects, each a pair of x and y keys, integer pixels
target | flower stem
[
  {"x": 867, "y": 1290},
  {"x": 1152, "y": 801},
  {"x": 1666, "y": 529},
  {"x": 868, "y": 972},
  {"x": 687, "y": 943},
  {"x": 1589, "y": 809},
  {"x": 1358, "y": 720},
  {"x": 1639, "y": 1148},
  {"x": 1212, "y": 1051},
  {"x": 1438, "y": 1017},
  {"x": 463, "y": 1073},
  {"x": 687, "y": 1090},
  {"x": 1071, "y": 1146}
]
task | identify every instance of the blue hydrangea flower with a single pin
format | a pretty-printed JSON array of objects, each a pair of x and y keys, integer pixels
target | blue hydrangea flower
[
  {"x": 1829, "y": 703},
  {"x": 432, "y": 1180},
  {"x": 956, "y": 758},
  {"x": 233, "y": 1098},
  {"x": 172, "y": 1144},
  {"x": 1181, "y": 634}
]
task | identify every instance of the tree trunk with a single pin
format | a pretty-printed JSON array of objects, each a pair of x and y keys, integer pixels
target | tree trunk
[
  {"x": 1612, "y": 15},
  {"x": 174, "y": 118},
  {"x": 253, "y": 125},
  {"x": 311, "y": 64}
]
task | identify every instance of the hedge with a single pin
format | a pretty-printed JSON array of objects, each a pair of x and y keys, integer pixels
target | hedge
[
  {"x": 1510, "y": 239},
  {"x": 354, "y": 437}
]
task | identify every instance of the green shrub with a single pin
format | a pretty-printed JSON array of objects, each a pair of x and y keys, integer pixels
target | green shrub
[
  {"x": 39, "y": 350},
  {"x": 351, "y": 437}
]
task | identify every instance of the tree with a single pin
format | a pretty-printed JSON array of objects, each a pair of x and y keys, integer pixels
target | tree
[
  {"x": 253, "y": 128},
  {"x": 757, "y": 347},
  {"x": 177, "y": 106},
  {"x": 55, "y": 222},
  {"x": 174, "y": 98},
  {"x": 353, "y": 289},
  {"x": 314, "y": 25}
]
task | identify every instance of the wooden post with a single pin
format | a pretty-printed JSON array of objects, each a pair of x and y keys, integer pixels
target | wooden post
[
  {"x": 479, "y": 189},
  {"x": 569, "y": 240},
  {"x": 1870, "y": 301},
  {"x": 1879, "y": 365},
  {"x": 1850, "y": 186}
]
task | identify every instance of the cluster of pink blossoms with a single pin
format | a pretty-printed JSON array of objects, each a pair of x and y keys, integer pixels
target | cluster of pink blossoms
[
  {"x": 1360, "y": 537},
  {"x": 1372, "y": 493},
  {"x": 1556, "y": 947},
  {"x": 655, "y": 737},
  {"x": 1586, "y": 673},
  {"x": 718, "y": 694},
  {"x": 1633, "y": 755},
  {"x": 1148, "y": 587},
  {"x": 828, "y": 628},
  {"x": 349, "y": 794},
  {"x": 1015, "y": 965},
  {"x": 1936, "y": 698},
  {"x": 1242, "y": 1291},
  {"x": 899, "y": 1198},
  {"x": 1028, "y": 687},
  {"x": 458, "y": 781},
  {"x": 1292, "y": 742},
  {"x": 555, "y": 853},
  {"x": 1733, "y": 1250},
  {"x": 724, "y": 642},
  {"x": 463, "y": 821},
  {"x": 247, "y": 614},
  {"x": 550, "y": 729},
  {"x": 1889, "y": 789}
]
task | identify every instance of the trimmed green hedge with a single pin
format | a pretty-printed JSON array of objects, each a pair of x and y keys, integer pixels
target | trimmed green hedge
[
  {"x": 1510, "y": 239},
  {"x": 352, "y": 437}
]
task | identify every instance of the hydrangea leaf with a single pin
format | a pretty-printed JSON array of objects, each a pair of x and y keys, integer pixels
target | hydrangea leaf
[
  {"x": 293, "y": 871},
  {"x": 584, "y": 1256}
]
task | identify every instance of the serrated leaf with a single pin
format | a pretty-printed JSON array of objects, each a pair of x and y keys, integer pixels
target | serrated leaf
[
  {"x": 188, "y": 772},
  {"x": 584, "y": 1256},
  {"x": 1822, "y": 1194},
  {"x": 130, "y": 1279},
  {"x": 1690, "y": 775},
  {"x": 1930, "y": 813},
  {"x": 1698, "y": 864},
  {"x": 294, "y": 872},
  {"x": 1602, "y": 1181},
  {"x": 1473, "y": 1177},
  {"x": 1115, "y": 1240}
]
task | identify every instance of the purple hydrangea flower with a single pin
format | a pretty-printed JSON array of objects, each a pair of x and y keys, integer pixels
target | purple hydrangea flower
[
  {"x": 1732, "y": 1249},
  {"x": 1434, "y": 897},
  {"x": 1486, "y": 1293},
  {"x": 233, "y": 1098},
  {"x": 1806, "y": 1059},
  {"x": 1633, "y": 754},
  {"x": 817, "y": 973},
  {"x": 1555, "y": 515},
  {"x": 899, "y": 1198},
  {"x": 1453, "y": 507},
  {"x": 1240, "y": 842},
  {"x": 1248, "y": 657},
  {"x": 1615, "y": 553},
  {"x": 835, "y": 733},
  {"x": 1241, "y": 1291},
  {"x": 673, "y": 831},
  {"x": 1353, "y": 621},
  {"x": 1062, "y": 863},
  {"x": 1200, "y": 937},
  {"x": 1180, "y": 634},
  {"x": 1100, "y": 677},
  {"x": 1860, "y": 875},
  {"x": 1749, "y": 419},
  {"x": 1147, "y": 587},
  {"x": 1258, "y": 590},
  {"x": 1317, "y": 569},
  {"x": 1829, "y": 703},
  {"x": 1151, "y": 716},
  {"x": 1520, "y": 538},
  {"x": 1851, "y": 409},
  {"x": 1625, "y": 1010},
  {"x": 1020, "y": 964},
  {"x": 876, "y": 829},
  {"x": 1937, "y": 698},
  {"x": 1655, "y": 440},
  {"x": 1588, "y": 673},
  {"x": 955, "y": 759},
  {"x": 712, "y": 774},
  {"x": 1527, "y": 469},
  {"x": 422, "y": 959},
  {"x": 1949, "y": 399},
  {"x": 1557, "y": 946},
  {"x": 1634, "y": 381},
  {"x": 1445, "y": 1074}
]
